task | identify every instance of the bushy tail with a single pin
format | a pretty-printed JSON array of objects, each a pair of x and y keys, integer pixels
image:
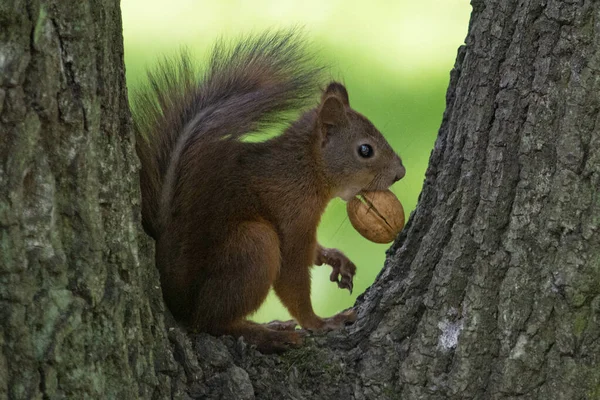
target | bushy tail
[{"x": 246, "y": 87}]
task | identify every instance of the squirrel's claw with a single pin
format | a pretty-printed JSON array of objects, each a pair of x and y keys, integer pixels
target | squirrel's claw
[
  {"x": 346, "y": 278},
  {"x": 341, "y": 267},
  {"x": 346, "y": 283}
]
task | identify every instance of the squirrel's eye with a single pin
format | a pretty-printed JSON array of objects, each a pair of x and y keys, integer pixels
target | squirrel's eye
[{"x": 365, "y": 151}]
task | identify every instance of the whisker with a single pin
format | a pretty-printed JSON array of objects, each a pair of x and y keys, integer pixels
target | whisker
[
  {"x": 377, "y": 181},
  {"x": 339, "y": 227},
  {"x": 372, "y": 184}
]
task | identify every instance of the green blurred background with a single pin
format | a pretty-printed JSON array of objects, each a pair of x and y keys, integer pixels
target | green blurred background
[{"x": 394, "y": 57}]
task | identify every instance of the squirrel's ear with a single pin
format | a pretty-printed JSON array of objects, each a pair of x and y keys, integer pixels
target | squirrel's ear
[
  {"x": 339, "y": 90},
  {"x": 332, "y": 112}
]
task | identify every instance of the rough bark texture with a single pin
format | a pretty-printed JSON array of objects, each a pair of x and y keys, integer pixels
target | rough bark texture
[
  {"x": 491, "y": 292},
  {"x": 80, "y": 308}
]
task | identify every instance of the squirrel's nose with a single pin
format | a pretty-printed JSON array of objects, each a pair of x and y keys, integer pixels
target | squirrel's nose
[{"x": 400, "y": 173}]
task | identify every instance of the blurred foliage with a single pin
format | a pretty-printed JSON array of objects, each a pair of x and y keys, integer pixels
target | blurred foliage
[{"x": 394, "y": 56}]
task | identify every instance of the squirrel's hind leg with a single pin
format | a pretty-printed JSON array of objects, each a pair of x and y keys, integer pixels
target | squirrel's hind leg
[{"x": 248, "y": 264}]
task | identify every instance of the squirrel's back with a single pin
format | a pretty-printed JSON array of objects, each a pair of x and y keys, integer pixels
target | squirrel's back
[{"x": 244, "y": 88}]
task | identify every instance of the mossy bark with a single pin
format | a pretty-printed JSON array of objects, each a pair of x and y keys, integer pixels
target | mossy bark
[{"x": 491, "y": 292}]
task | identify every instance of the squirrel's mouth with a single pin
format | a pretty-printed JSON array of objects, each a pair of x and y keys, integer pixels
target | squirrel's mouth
[{"x": 384, "y": 182}]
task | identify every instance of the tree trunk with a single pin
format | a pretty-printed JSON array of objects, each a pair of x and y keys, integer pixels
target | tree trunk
[
  {"x": 492, "y": 290},
  {"x": 79, "y": 303}
]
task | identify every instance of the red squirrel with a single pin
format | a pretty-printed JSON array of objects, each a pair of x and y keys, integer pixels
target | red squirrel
[{"x": 233, "y": 218}]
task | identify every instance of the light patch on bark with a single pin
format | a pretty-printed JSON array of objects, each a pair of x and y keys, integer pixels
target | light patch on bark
[
  {"x": 519, "y": 350},
  {"x": 450, "y": 332}
]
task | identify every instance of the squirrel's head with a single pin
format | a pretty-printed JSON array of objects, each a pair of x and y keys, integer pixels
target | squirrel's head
[{"x": 356, "y": 155}]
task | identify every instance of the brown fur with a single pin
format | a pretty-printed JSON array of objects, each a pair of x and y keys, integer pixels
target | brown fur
[{"x": 233, "y": 218}]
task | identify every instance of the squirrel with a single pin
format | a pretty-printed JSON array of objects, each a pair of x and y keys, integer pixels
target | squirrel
[{"x": 233, "y": 218}]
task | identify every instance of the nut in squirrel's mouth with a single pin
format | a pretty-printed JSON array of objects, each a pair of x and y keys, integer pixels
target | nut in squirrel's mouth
[
  {"x": 363, "y": 195},
  {"x": 377, "y": 215}
]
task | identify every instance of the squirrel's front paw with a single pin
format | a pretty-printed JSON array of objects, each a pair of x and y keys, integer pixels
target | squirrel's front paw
[{"x": 343, "y": 270}]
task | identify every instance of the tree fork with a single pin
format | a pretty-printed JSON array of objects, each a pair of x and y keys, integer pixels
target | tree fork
[{"x": 491, "y": 291}]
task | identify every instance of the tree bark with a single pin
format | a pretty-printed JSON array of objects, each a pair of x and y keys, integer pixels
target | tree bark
[
  {"x": 492, "y": 291},
  {"x": 79, "y": 303}
]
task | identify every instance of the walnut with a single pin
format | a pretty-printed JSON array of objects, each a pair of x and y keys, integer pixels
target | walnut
[{"x": 377, "y": 216}]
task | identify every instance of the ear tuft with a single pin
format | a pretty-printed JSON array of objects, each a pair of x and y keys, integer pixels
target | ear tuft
[
  {"x": 332, "y": 111},
  {"x": 338, "y": 90}
]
